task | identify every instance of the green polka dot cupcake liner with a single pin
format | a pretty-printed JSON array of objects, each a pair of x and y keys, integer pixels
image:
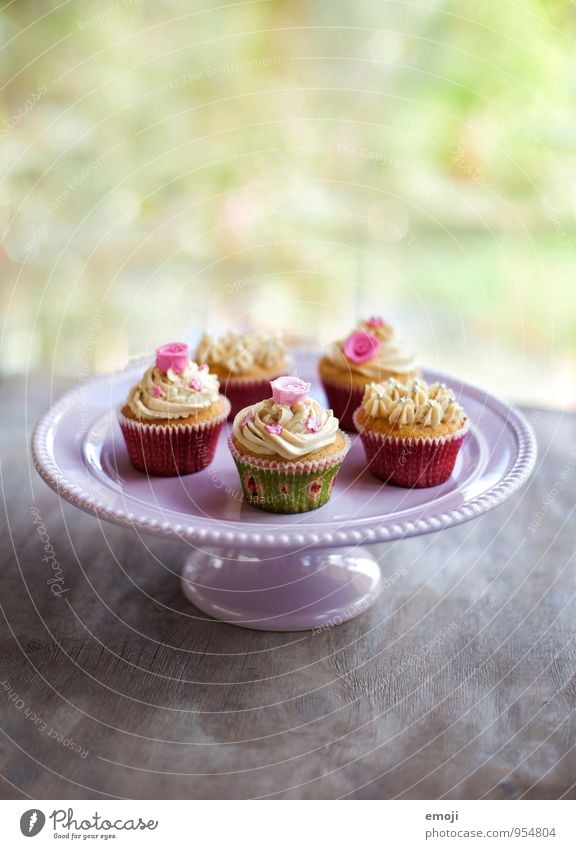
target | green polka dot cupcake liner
[{"x": 291, "y": 487}]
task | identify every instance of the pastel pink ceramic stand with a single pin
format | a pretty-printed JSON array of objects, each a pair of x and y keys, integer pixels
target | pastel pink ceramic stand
[{"x": 256, "y": 569}]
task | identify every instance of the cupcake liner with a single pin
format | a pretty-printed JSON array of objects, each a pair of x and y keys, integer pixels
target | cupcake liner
[
  {"x": 170, "y": 450},
  {"x": 412, "y": 463},
  {"x": 287, "y": 487},
  {"x": 245, "y": 392},
  {"x": 344, "y": 401}
]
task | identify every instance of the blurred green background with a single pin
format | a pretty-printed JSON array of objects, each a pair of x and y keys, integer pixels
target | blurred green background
[{"x": 171, "y": 167}]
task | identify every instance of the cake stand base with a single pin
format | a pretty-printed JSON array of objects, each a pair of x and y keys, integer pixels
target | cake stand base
[{"x": 310, "y": 589}]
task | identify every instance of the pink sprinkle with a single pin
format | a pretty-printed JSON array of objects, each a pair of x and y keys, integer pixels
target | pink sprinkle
[
  {"x": 203, "y": 367},
  {"x": 247, "y": 419},
  {"x": 312, "y": 425},
  {"x": 274, "y": 428},
  {"x": 195, "y": 384},
  {"x": 157, "y": 392}
]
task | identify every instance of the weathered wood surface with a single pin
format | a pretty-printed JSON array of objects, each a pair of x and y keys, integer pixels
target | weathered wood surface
[{"x": 458, "y": 683}]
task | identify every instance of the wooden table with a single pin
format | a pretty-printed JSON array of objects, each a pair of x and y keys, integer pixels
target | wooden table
[{"x": 458, "y": 683}]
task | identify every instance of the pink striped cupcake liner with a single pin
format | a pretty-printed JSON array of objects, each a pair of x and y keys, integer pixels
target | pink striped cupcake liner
[
  {"x": 170, "y": 450},
  {"x": 412, "y": 463}
]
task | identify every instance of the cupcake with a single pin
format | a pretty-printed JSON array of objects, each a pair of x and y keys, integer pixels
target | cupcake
[
  {"x": 173, "y": 415},
  {"x": 288, "y": 449},
  {"x": 245, "y": 364},
  {"x": 372, "y": 353},
  {"x": 411, "y": 432}
]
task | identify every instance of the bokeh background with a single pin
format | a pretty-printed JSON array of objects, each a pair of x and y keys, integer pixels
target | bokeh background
[{"x": 169, "y": 167}]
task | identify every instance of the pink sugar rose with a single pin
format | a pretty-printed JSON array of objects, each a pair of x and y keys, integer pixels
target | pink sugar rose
[
  {"x": 289, "y": 390},
  {"x": 195, "y": 384},
  {"x": 173, "y": 355},
  {"x": 360, "y": 347}
]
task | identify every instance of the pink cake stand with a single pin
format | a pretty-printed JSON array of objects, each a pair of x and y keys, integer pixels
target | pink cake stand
[{"x": 257, "y": 569}]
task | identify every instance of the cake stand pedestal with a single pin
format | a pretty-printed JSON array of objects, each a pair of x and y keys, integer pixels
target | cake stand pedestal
[
  {"x": 316, "y": 589},
  {"x": 260, "y": 570}
]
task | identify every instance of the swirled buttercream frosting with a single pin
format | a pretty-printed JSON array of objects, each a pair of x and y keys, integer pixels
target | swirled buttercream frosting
[
  {"x": 173, "y": 394},
  {"x": 270, "y": 428},
  {"x": 372, "y": 350},
  {"x": 241, "y": 352},
  {"x": 412, "y": 403}
]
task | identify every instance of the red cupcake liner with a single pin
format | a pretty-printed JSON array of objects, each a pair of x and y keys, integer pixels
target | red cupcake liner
[
  {"x": 412, "y": 463},
  {"x": 344, "y": 401},
  {"x": 170, "y": 450},
  {"x": 243, "y": 393}
]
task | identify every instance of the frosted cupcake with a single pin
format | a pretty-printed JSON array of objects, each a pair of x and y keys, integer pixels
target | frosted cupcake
[
  {"x": 173, "y": 415},
  {"x": 411, "y": 432},
  {"x": 373, "y": 352},
  {"x": 288, "y": 449},
  {"x": 245, "y": 364}
]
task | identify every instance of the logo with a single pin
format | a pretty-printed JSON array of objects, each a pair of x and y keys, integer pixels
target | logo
[{"x": 32, "y": 822}]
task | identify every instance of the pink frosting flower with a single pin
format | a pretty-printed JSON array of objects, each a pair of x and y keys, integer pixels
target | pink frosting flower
[
  {"x": 289, "y": 390},
  {"x": 203, "y": 367},
  {"x": 195, "y": 384},
  {"x": 274, "y": 428},
  {"x": 375, "y": 321},
  {"x": 173, "y": 355},
  {"x": 360, "y": 346},
  {"x": 157, "y": 392}
]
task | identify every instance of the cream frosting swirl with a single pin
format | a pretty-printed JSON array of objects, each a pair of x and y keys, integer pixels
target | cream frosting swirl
[
  {"x": 269, "y": 428},
  {"x": 240, "y": 352},
  {"x": 412, "y": 403},
  {"x": 171, "y": 394},
  {"x": 391, "y": 356}
]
